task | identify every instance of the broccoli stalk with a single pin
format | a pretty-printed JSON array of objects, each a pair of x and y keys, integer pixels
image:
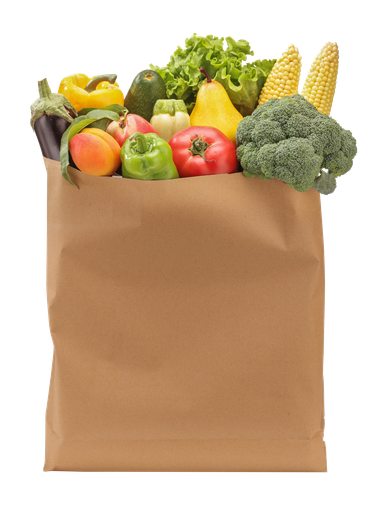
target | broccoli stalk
[{"x": 290, "y": 140}]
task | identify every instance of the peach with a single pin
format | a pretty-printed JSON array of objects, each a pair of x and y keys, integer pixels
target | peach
[{"x": 95, "y": 152}]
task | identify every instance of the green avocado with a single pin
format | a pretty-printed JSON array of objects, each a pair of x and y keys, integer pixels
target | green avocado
[{"x": 147, "y": 87}]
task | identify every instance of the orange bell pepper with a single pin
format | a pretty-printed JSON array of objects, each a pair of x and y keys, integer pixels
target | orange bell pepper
[{"x": 96, "y": 92}]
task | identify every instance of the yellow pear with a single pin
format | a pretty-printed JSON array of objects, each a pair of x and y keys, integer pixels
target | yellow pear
[{"x": 214, "y": 108}]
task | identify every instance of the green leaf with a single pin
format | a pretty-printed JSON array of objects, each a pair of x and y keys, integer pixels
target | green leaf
[
  {"x": 244, "y": 87},
  {"x": 76, "y": 126},
  {"x": 117, "y": 108},
  {"x": 100, "y": 124},
  {"x": 103, "y": 123}
]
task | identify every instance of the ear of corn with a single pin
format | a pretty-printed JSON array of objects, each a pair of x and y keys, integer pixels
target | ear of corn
[
  {"x": 284, "y": 77},
  {"x": 320, "y": 84}
]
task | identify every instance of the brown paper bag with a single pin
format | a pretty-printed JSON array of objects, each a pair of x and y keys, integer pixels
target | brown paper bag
[{"x": 187, "y": 321}]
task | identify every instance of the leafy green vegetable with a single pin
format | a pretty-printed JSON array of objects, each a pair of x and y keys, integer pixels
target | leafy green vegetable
[
  {"x": 242, "y": 80},
  {"x": 76, "y": 126},
  {"x": 290, "y": 140}
]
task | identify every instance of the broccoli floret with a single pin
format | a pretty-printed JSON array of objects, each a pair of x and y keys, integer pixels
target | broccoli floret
[
  {"x": 247, "y": 155},
  {"x": 325, "y": 183},
  {"x": 283, "y": 109},
  {"x": 243, "y": 132},
  {"x": 325, "y": 135},
  {"x": 289, "y": 139},
  {"x": 298, "y": 126},
  {"x": 292, "y": 161},
  {"x": 341, "y": 161},
  {"x": 261, "y": 133}
]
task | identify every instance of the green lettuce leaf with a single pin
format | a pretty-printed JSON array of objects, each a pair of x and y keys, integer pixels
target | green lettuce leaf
[
  {"x": 242, "y": 80},
  {"x": 244, "y": 88}
]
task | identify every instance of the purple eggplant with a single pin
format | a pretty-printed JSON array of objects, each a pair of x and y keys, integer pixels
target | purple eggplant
[
  {"x": 49, "y": 130},
  {"x": 51, "y": 117}
]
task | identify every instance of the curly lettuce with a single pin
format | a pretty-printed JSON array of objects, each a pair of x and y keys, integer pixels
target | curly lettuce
[{"x": 242, "y": 80}]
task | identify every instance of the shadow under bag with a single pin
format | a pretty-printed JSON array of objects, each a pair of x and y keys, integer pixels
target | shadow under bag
[{"x": 187, "y": 318}]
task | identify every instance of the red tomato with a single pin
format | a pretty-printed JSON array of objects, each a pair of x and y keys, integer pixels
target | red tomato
[{"x": 202, "y": 150}]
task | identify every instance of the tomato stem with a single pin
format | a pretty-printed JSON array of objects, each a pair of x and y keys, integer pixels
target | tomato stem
[{"x": 199, "y": 147}]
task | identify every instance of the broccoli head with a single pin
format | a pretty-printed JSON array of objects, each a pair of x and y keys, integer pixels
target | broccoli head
[{"x": 290, "y": 140}]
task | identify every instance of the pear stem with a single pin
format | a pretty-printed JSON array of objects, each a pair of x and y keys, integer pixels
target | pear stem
[{"x": 202, "y": 70}]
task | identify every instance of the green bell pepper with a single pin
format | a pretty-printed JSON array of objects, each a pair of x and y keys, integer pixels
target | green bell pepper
[{"x": 147, "y": 157}]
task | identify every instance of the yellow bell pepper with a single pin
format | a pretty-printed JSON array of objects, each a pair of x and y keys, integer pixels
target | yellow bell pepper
[{"x": 96, "y": 92}]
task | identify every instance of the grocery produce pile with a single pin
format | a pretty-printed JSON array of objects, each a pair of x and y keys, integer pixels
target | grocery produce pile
[{"x": 209, "y": 111}]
